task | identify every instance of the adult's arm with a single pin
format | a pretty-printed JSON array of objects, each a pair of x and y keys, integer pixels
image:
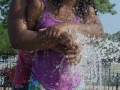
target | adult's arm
[{"x": 19, "y": 35}]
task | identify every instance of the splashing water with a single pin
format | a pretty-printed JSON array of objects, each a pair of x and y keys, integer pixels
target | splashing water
[
  {"x": 90, "y": 66},
  {"x": 88, "y": 59}
]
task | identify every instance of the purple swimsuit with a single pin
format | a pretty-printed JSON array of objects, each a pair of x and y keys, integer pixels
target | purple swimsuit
[{"x": 50, "y": 67}]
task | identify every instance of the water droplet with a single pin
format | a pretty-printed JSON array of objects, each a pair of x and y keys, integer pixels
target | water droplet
[{"x": 57, "y": 84}]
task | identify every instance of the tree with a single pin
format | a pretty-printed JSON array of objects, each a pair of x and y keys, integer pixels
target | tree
[
  {"x": 113, "y": 37},
  {"x": 4, "y": 7},
  {"x": 104, "y": 6},
  {"x": 116, "y": 36},
  {"x": 108, "y": 36}
]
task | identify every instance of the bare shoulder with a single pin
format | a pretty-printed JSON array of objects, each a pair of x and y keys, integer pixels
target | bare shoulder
[
  {"x": 36, "y": 6},
  {"x": 91, "y": 10},
  {"x": 91, "y": 17},
  {"x": 37, "y": 3},
  {"x": 34, "y": 13}
]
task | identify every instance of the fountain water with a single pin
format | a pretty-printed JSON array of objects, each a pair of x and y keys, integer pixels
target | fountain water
[{"x": 90, "y": 66}]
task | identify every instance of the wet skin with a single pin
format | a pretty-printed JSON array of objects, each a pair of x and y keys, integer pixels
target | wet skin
[{"x": 22, "y": 31}]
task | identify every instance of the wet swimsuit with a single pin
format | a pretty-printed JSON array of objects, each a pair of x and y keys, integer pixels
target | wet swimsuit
[{"x": 50, "y": 70}]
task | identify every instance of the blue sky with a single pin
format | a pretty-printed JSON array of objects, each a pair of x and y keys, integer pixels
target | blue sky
[{"x": 111, "y": 23}]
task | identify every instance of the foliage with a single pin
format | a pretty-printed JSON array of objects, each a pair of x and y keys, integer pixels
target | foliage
[
  {"x": 4, "y": 7},
  {"x": 116, "y": 36},
  {"x": 108, "y": 36},
  {"x": 5, "y": 47},
  {"x": 113, "y": 37},
  {"x": 104, "y": 6}
]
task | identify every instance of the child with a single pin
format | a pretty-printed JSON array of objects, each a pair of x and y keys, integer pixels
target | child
[{"x": 50, "y": 70}]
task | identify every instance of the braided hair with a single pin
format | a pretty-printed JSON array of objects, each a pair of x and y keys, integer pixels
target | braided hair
[{"x": 81, "y": 6}]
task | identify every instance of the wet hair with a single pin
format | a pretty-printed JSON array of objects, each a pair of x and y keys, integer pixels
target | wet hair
[{"x": 81, "y": 6}]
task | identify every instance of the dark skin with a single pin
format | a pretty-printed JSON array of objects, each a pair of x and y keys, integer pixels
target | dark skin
[
  {"x": 20, "y": 33},
  {"x": 35, "y": 14}
]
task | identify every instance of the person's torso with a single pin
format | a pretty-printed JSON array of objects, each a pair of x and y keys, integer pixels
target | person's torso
[{"x": 50, "y": 67}]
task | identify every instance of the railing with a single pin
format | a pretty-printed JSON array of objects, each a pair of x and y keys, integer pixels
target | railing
[{"x": 109, "y": 81}]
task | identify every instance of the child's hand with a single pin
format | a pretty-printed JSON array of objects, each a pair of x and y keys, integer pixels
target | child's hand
[
  {"x": 56, "y": 30},
  {"x": 60, "y": 48},
  {"x": 70, "y": 48},
  {"x": 70, "y": 53},
  {"x": 73, "y": 53}
]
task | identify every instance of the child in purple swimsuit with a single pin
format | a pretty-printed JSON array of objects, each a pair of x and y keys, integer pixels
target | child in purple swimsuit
[{"x": 51, "y": 68}]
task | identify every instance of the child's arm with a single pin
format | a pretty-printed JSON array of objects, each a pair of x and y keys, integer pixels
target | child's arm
[
  {"x": 92, "y": 27},
  {"x": 20, "y": 36}
]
